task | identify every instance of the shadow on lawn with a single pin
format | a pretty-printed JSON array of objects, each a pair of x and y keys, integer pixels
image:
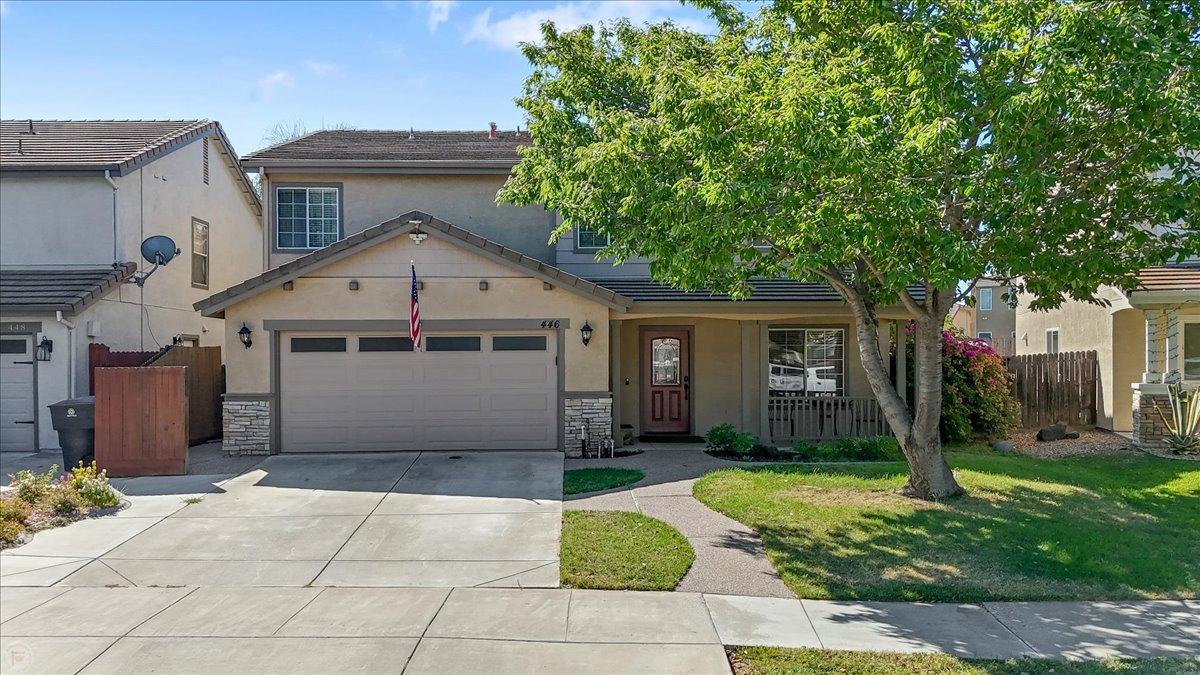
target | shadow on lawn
[{"x": 1026, "y": 530}]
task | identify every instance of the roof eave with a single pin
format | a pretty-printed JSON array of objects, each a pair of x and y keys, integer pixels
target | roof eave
[
  {"x": 252, "y": 164},
  {"x": 1189, "y": 296}
]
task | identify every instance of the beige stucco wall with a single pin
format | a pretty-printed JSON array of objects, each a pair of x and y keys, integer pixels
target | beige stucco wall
[
  {"x": 468, "y": 201},
  {"x": 55, "y": 219},
  {"x": 451, "y": 277},
  {"x": 1129, "y": 349}
]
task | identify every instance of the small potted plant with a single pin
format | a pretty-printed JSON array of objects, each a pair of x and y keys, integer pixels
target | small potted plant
[{"x": 1183, "y": 429}]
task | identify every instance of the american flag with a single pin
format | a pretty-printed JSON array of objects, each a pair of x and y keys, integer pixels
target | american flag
[{"x": 414, "y": 312}]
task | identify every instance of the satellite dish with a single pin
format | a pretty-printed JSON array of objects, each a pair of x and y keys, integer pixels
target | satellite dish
[{"x": 159, "y": 249}]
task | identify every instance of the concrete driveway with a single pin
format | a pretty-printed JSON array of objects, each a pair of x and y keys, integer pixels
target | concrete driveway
[{"x": 375, "y": 520}]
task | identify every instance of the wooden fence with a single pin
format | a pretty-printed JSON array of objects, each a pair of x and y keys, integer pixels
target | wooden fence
[
  {"x": 1056, "y": 387},
  {"x": 205, "y": 382},
  {"x": 100, "y": 356},
  {"x": 142, "y": 421},
  {"x": 814, "y": 418}
]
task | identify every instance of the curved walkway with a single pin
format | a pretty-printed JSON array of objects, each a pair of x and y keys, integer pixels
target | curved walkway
[{"x": 730, "y": 558}]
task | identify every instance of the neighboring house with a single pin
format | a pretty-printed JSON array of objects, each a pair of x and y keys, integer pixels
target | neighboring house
[
  {"x": 1143, "y": 339},
  {"x": 77, "y": 198},
  {"x": 526, "y": 344},
  {"x": 993, "y": 317},
  {"x": 962, "y": 319}
]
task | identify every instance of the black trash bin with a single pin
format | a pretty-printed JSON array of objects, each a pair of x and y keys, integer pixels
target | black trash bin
[{"x": 75, "y": 421}]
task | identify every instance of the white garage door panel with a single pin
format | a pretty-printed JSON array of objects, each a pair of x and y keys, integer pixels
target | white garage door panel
[
  {"x": 16, "y": 394},
  {"x": 376, "y": 401}
]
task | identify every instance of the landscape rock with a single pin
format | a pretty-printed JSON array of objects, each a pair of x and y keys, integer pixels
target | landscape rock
[
  {"x": 1003, "y": 446},
  {"x": 1054, "y": 432}
]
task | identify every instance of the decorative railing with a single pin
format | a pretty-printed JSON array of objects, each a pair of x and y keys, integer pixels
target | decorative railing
[{"x": 816, "y": 418}]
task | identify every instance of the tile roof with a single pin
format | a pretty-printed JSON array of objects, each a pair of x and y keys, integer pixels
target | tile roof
[
  {"x": 765, "y": 290},
  {"x": 215, "y": 304},
  {"x": 118, "y": 146},
  {"x": 1184, "y": 277},
  {"x": 87, "y": 144},
  {"x": 383, "y": 147},
  {"x": 60, "y": 288}
]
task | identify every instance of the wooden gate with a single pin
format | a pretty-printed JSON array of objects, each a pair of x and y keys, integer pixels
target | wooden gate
[
  {"x": 1056, "y": 387},
  {"x": 142, "y": 421},
  {"x": 100, "y": 356},
  {"x": 205, "y": 384}
]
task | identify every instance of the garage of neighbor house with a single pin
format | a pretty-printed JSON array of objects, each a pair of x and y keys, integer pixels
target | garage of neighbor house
[{"x": 330, "y": 367}]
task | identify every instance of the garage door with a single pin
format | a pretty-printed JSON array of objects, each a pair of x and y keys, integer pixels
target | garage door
[
  {"x": 16, "y": 394},
  {"x": 372, "y": 392}
]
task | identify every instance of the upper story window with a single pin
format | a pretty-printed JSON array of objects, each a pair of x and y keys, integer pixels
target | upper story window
[
  {"x": 1051, "y": 340},
  {"x": 307, "y": 217},
  {"x": 199, "y": 253},
  {"x": 985, "y": 299},
  {"x": 590, "y": 240}
]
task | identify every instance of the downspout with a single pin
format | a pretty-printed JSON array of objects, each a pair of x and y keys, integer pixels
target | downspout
[
  {"x": 116, "y": 227},
  {"x": 58, "y": 316}
]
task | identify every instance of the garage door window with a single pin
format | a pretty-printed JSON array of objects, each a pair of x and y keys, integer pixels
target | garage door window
[
  {"x": 319, "y": 344},
  {"x": 12, "y": 346},
  {"x": 519, "y": 343},
  {"x": 458, "y": 343},
  {"x": 385, "y": 344}
]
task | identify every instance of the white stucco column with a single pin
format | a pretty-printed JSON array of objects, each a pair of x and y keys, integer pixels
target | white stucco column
[
  {"x": 1151, "y": 375},
  {"x": 901, "y": 360},
  {"x": 749, "y": 368}
]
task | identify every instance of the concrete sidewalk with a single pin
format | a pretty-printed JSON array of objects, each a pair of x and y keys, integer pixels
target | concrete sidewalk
[{"x": 432, "y": 630}]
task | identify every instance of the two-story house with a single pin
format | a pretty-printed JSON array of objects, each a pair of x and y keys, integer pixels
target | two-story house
[
  {"x": 992, "y": 316},
  {"x": 77, "y": 199},
  {"x": 524, "y": 343}
]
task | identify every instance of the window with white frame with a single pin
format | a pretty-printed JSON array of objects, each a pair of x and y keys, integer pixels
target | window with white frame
[
  {"x": 1191, "y": 350},
  {"x": 807, "y": 361},
  {"x": 984, "y": 335},
  {"x": 199, "y": 253},
  {"x": 307, "y": 217},
  {"x": 985, "y": 299},
  {"x": 1051, "y": 340},
  {"x": 587, "y": 239}
]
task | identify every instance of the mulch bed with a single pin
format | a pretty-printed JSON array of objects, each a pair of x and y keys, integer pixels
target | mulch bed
[{"x": 1091, "y": 442}]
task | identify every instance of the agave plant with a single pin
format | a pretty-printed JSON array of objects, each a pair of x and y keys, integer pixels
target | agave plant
[{"x": 1184, "y": 426}]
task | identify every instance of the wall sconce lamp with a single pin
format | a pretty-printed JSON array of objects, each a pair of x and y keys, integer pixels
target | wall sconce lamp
[
  {"x": 586, "y": 332},
  {"x": 44, "y": 349},
  {"x": 244, "y": 335}
]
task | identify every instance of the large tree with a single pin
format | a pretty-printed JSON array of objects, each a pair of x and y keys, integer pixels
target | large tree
[{"x": 891, "y": 149}]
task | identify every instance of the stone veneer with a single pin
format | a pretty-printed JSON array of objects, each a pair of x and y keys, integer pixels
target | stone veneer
[
  {"x": 1149, "y": 430},
  {"x": 247, "y": 427},
  {"x": 592, "y": 414}
]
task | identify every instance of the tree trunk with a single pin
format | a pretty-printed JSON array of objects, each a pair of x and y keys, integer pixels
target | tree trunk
[{"x": 929, "y": 475}]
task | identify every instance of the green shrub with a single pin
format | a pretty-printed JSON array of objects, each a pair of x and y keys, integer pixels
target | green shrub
[
  {"x": 32, "y": 487},
  {"x": 14, "y": 510},
  {"x": 728, "y": 443},
  {"x": 62, "y": 500},
  {"x": 845, "y": 449},
  {"x": 91, "y": 484},
  {"x": 10, "y": 531}
]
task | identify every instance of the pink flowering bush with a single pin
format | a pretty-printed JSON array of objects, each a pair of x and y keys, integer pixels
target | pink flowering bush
[{"x": 977, "y": 400}]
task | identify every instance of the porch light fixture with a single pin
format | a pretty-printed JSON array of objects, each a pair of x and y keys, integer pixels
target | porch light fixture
[
  {"x": 244, "y": 335},
  {"x": 44, "y": 349},
  {"x": 586, "y": 332}
]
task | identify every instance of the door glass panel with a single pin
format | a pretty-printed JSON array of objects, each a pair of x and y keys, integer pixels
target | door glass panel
[{"x": 664, "y": 361}]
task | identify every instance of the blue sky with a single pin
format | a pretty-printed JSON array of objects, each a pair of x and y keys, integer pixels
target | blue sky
[{"x": 370, "y": 65}]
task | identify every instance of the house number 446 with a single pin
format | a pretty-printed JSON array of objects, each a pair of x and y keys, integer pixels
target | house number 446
[{"x": 550, "y": 323}]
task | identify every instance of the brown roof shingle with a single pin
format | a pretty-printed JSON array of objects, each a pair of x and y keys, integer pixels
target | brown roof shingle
[
  {"x": 1184, "y": 277},
  {"x": 340, "y": 146},
  {"x": 60, "y": 288}
]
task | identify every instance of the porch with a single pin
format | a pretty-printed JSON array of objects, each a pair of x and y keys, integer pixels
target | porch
[{"x": 782, "y": 376}]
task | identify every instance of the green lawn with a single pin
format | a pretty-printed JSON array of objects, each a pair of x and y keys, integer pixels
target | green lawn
[
  {"x": 776, "y": 661},
  {"x": 577, "y": 481},
  {"x": 1086, "y": 528},
  {"x": 620, "y": 550}
]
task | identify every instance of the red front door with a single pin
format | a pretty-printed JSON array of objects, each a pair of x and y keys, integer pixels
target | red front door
[{"x": 666, "y": 381}]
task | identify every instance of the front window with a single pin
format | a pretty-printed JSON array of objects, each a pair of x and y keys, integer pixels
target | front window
[
  {"x": 1191, "y": 351},
  {"x": 807, "y": 361},
  {"x": 590, "y": 240},
  {"x": 307, "y": 217},
  {"x": 985, "y": 299},
  {"x": 1051, "y": 340},
  {"x": 199, "y": 253}
]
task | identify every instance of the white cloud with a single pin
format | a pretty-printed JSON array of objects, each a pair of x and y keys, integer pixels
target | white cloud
[
  {"x": 321, "y": 67},
  {"x": 270, "y": 84},
  {"x": 525, "y": 26},
  {"x": 439, "y": 12}
]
